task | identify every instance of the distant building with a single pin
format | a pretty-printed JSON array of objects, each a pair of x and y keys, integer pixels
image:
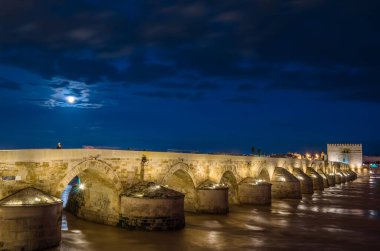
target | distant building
[
  {"x": 372, "y": 161},
  {"x": 351, "y": 154}
]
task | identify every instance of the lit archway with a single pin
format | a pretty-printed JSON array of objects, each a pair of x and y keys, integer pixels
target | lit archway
[
  {"x": 180, "y": 180},
  {"x": 264, "y": 175},
  {"x": 229, "y": 179},
  {"x": 97, "y": 197}
]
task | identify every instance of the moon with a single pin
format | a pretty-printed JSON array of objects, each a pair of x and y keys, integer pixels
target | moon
[{"x": 70, "y": 99}]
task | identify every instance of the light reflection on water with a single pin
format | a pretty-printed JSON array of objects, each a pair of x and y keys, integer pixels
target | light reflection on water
[
  {"x": 344, "y": 217},
  {"x": 64, "y": 223},
  {"x": 357, "y": 212},
  {"x": 213, "y": 238}
]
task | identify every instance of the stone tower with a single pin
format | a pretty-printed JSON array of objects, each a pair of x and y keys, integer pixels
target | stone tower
[{"x": 351, "y": 154}]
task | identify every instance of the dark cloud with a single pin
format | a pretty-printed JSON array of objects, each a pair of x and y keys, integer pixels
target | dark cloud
[
  {"x": 357, "y": 84},
  {"x": 216, "y": 58},
  {"x": 246, "y": 87},
  {"x": 177, "y": 84},
  {"x": 303, "y": 46},
  {"x": 170, "y": 95},
  {"x": 10, "y": 85},
  {"x": 243, "y": 100}
]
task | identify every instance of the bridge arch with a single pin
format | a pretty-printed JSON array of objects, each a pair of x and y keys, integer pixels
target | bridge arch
[
  {"x": 335, "y": 167},
  {"x": 179, "y": 167},
  {"x": 329, "y": 168},
  {"x": 99, "y": 198},
  {"x": 320, "y": 167},
  {"x": 96, "y": 165},
  {"x": 264, "y": 175},
  {"x": 181, "y": 179},
  {"x": 288, "y": 166},
  {"x": 229, "y": 179}
]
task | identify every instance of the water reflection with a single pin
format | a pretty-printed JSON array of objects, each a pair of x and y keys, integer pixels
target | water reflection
[
  {"x": 344, "y": 217},
  {"x": 65, "y": 226},
  {"x": 213, "y": 238}
]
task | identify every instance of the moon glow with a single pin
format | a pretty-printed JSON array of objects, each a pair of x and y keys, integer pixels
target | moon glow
[{"x": 70, "y": 99}]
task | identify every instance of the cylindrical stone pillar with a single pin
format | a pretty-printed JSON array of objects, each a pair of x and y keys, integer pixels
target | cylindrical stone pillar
[
  {"x": 353, "y": 174},
  {"x": 331, "y": 179},
  {"x": 285, "y": 185},
  {"x": 306, "y": 181},
  {"x": 346, "y": 175},
  {"x": 212, "y": 198},
  {"x": 254, "y": 192},
  {"x": 358, "y": 171},
  {"x": 325, "y": 179},
  {"x": 147, "y": 206},
  {"x": 317, "y": 179},
  {"x": 30, "y": 220},
  {"x": 338, "y": 178},
  {"x": 342, "y": 176}
]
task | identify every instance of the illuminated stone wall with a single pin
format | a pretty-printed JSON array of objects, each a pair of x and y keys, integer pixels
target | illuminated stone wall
[
  {"x": 97, "y": 202},
  {"x": 351, "y": 154},
  {"x": 51, "y": 170},
  {"x": 107, "y": 173}
]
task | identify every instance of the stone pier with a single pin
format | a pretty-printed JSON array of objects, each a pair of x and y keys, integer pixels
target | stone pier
[
  {"x": 285, "y": 185},
  {"x": 306, "y": 181},
  {"x": 324, "y": 176},
  {"x": 316, "y": 178},
  {"x": 254, "y": 192},
  {"x": 212, "y": 198},
  {"x": 30, "y": 220}
]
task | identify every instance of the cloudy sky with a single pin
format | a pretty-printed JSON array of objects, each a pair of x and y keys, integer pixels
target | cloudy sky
[{"x": 209, "y": 76}]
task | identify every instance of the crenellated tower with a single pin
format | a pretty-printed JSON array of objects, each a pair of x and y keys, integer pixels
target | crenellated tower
[{"x": 351, "y": 154}]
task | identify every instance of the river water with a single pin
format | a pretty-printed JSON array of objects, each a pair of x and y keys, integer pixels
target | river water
[{"x": 344, "y": 217}]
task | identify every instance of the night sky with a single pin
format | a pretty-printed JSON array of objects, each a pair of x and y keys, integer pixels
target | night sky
[{"x": 208, "y": 76}]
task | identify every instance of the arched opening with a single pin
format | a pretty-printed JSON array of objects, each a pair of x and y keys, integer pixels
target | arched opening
[
  {"x": 74, "y": 184},
  {"x": 93, "y": 193},
  {"x": 182, "y": 182},
  {"x": 229, "y": 179},
  {"x": 264, "y": 175}
]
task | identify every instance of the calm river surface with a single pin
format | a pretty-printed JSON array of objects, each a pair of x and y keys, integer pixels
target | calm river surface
[{"x": 344, "y": 217}]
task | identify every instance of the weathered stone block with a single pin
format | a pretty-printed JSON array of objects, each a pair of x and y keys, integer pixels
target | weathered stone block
[
  {"x": 331, "y": 179},
  {"x": 25, "y": 226},
  {"x": 326, "y": 183},
  {"x": 213, "y": 201},
  {"x": 317, "y": 179},
  {"x": 285, "y": 185},
  {"x": 147, "y": 206},
  {"x": 305, "y": 181},
  {"x": 338, "y": 179},
  {"x": 255, "y": 192}
]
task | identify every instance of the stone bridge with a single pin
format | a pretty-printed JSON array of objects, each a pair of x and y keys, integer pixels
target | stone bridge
[{"x": 108, "y": 173}]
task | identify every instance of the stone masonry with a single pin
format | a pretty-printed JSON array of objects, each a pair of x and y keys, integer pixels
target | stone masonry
[{"x": 108, "y": 173}]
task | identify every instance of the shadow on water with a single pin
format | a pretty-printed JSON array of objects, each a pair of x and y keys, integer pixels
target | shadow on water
[{"x": 345, "y": 217}]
